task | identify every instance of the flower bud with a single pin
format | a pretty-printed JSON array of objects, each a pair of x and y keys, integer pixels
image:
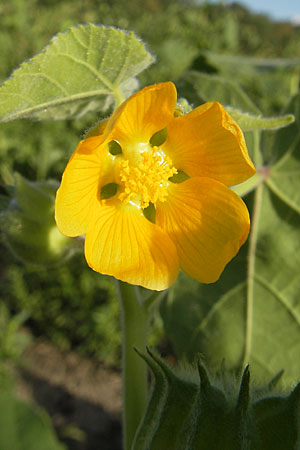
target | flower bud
[{"x": 29, "y": 227}]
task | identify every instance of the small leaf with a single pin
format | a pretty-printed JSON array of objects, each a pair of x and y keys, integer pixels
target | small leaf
[
  {"x": 250, "y": 122},
  {"x": 87, "y": 68}
]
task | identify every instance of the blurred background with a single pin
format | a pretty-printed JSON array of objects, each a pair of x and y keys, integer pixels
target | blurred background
[{"x": 65, "y": 316}]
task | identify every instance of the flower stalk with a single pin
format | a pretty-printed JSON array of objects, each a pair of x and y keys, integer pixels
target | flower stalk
[{"x": 134, "y": 324}]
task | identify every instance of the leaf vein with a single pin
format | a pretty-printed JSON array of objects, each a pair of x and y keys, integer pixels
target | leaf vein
[
  {"x": 282, "y": 300},
  {"x": 215, "y": 307},
  {"x": 53, "y": 103},
  {"x": 95, "y": 72},
  {"x": 282, "y": 196},
  {"x": 77, "y": 39},
  {"x": 47, "y": 77},
  {"x": 123, "y": 66}
]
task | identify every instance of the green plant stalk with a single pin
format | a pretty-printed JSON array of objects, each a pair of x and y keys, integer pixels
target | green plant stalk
[{"x": 134, "y": 324}]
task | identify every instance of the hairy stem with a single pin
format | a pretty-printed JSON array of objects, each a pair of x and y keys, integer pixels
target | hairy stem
[{"x": 134, "y": 323}]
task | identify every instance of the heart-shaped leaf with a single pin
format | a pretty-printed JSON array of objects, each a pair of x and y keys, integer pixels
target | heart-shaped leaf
[{"x": 87, "y": 68}]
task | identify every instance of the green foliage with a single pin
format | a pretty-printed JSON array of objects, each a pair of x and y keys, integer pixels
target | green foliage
[
  {"x": 199, "y": 88},
  {"x": 29, "y": 227},
  {"x": 88, "y": 68},
  {"x": 68, "y": 304},
  {"x": 252, "y": 314},
  {"x": 249, "y": 122},
  {"x": 74, "y": 308},
  {"x": 270, "y": 81},
  {"x": 23, "y": 426},
  {"x": 184, "y": 412},
  {"x": 12, "y": 340}
]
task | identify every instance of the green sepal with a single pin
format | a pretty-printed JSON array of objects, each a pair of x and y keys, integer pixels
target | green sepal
[
  {"x": 182, "y": 107},
  {"x": 184, "y": 413},
  {"x": 278, "y": 421},
  {"x": 150, "y": 212},
  {"x": 169, "y": 407},
  {"x": 108, "y": 191},
  {"x": 179, "y": 177},
  {"x": 114, "y": 148},
  {"x": 275, "y": 380},
  {"x": 213, "y": 423},
  {"x": 179, "y": 402},
  {"x": 156, "y": 402},
  {"x": 159, "y": 137}
]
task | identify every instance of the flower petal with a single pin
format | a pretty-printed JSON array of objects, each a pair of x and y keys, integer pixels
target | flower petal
[
  {"x": 122, "y": 243},
  {"x": 142, "y": 114},
  {"x": 207, "y": 222},
  {"x": 207, "y": 142},
  {"x": 78, "y": 194}
]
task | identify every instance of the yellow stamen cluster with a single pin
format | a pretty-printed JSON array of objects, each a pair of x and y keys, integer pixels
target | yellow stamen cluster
[{"x": 147, "y": 181}]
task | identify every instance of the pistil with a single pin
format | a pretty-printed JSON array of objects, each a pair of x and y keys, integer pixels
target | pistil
[{"x": 147, "y": 181}]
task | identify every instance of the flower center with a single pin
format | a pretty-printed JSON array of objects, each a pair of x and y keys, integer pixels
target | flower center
[{"x": 147, "y": 181}]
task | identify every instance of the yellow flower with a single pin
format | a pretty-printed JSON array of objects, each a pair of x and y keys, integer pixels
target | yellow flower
[{"x": 150, "y": 190}]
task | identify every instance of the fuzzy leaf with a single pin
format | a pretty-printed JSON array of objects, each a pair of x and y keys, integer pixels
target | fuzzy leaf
[
  {"x": 169, "y": 408},
  {"x": 87, "y": 68},
  {"x": 197, "y": 415},
  {"x": 249, "y": 122}
]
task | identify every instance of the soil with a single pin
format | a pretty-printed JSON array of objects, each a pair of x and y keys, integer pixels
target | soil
[{"x": 82, "y": 397}]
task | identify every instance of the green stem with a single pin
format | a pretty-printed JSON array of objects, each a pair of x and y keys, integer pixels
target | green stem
[
  {"x": 251, "y": 273},
  {"x": 134, "y": 323},
  {"x": 119, "y": 97}
]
